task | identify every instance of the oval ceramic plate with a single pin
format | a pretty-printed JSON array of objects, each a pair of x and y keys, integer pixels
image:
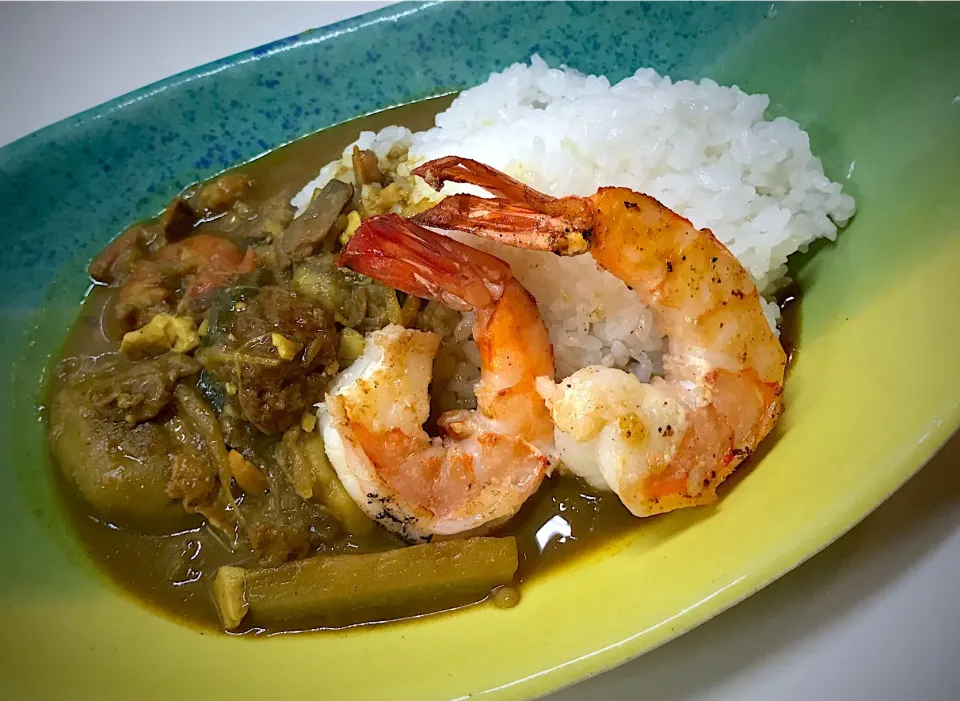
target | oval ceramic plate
[{"x": 872, "y": 394}]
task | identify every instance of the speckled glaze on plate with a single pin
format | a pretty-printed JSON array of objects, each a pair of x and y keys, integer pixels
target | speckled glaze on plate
[{"x": 874, "y": 391}]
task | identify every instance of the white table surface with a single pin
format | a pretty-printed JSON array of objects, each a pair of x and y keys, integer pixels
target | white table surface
[{"x": 874, "y": 617}]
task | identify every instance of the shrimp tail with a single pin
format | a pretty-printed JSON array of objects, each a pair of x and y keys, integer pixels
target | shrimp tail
[
  {"x": 517, "y": 215},
  {"x": 464, "y": 170},
  {"x": 426, "y": 264}
]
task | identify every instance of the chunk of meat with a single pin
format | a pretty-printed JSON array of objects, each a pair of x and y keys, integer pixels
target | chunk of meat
[
  {"x": 273, "y": 392},
  {"x": 194, "y": 482},
  {"x": 138, "y": 393},
  {"x": 276, "y": 542}
]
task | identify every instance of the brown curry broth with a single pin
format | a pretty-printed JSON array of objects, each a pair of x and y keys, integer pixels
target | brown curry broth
[{"x": 173, "y": 573}]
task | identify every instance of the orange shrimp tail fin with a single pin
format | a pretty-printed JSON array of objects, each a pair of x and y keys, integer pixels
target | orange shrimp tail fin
[
  {"x": 464, "y": 170},
  {"x": 415, "y": 260},
  {"x": 517, "y": 215}
]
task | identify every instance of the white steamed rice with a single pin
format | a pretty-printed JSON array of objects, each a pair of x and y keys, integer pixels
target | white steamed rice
[{"x": 702, "y": 149}]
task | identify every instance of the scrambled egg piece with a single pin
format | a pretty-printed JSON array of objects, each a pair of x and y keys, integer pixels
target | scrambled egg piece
[
  {"x": 286, "y": 349},
  {"x": 376, "y": 199},
  {"x": 162, "y": 333},
  {"x": 353, "y": 223}
]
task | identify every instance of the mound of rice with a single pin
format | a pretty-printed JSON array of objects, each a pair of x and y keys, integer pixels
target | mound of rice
[{"x": 702, "y": 149}]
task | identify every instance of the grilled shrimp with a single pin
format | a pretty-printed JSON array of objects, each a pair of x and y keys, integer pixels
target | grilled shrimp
[
  {"x": 667, "y": 444},
  {"x": 487, "y": 461},
  {"x": 194, "y": 266}
]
